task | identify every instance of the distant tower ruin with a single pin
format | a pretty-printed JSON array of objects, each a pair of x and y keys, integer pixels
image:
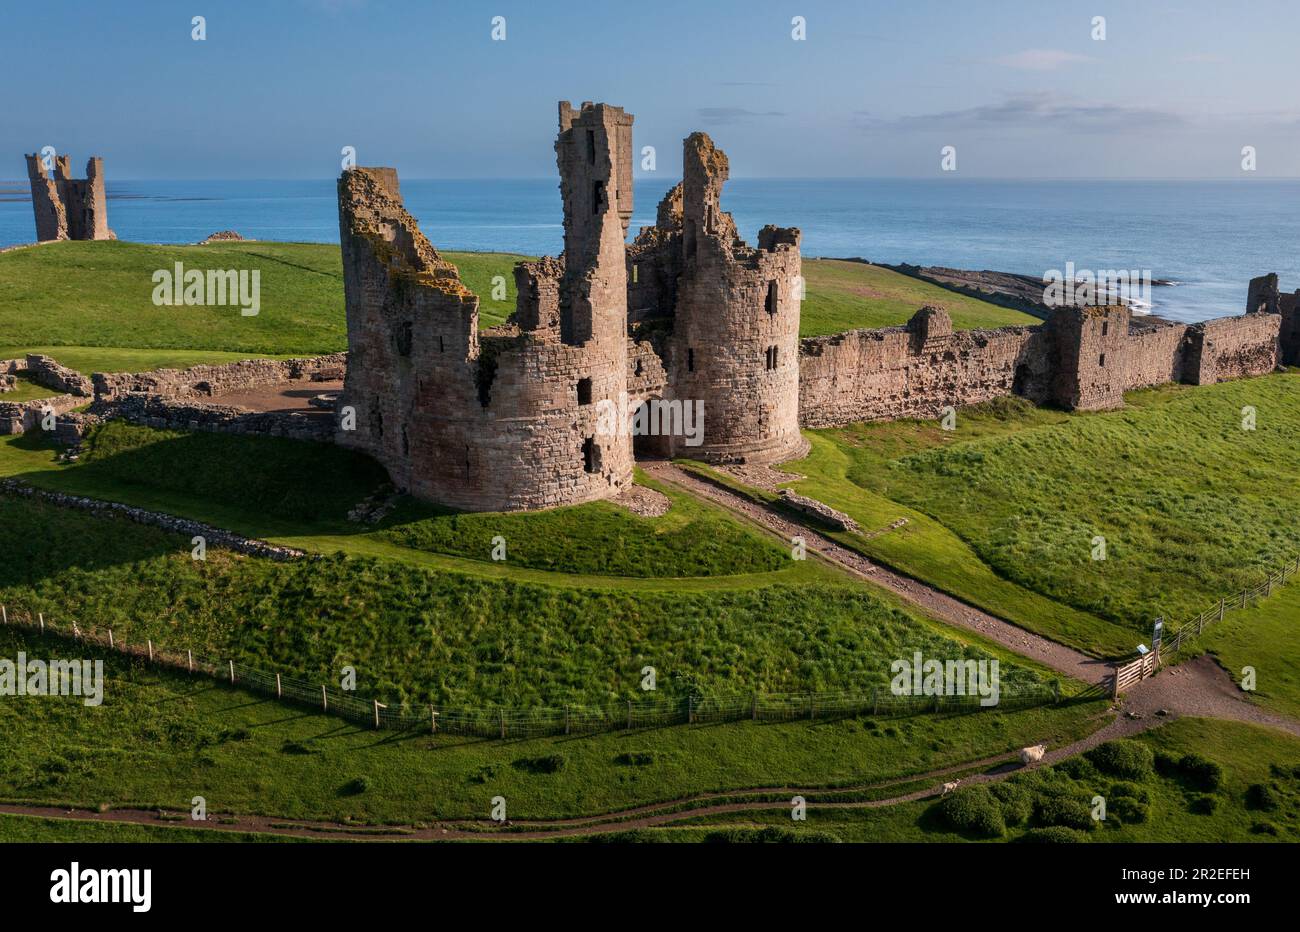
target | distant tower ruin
[
  {"x": 1090, "y": 365},
  {"x": 67, "y": 207}
]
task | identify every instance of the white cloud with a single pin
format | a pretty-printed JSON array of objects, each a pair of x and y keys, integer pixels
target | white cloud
[{"x": 1042, "y": 59}]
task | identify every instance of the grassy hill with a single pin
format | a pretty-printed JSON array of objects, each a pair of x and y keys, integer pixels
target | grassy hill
[
  {"x": 96, "y": 311},
  {"x": 855, "y": 295}
]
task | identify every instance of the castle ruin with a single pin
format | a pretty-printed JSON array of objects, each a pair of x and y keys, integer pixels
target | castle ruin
[
  {"x": 688, "y": 314},
  {"x": 67, "y": 207}
]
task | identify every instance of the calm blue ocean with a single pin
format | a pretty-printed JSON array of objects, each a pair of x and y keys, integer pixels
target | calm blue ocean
[{"x": 1210, "y": 237}]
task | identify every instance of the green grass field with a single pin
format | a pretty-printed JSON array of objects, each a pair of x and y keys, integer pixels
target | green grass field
[
  {"x": 97, "y": 312},
  {"x": 855, "y": 295},
  {"x": 27, "y": 390},
  {"x": 449, "y": 638},
  {"x": 161, "y": 738}
]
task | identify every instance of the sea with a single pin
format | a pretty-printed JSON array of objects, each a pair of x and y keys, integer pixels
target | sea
[{"x": 1208, "y": 238}]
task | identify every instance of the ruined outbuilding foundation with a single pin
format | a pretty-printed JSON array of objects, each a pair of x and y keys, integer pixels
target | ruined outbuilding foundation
[{"x": 67, "y": 207}]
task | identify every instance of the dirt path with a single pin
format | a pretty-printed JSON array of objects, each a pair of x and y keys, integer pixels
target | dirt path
[{"x": 934, "y": 603}]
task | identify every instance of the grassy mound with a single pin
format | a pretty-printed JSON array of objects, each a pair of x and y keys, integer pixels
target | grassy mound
[
  {"x": 853, "y": 295},
  {"x": 449, "y": 638}
]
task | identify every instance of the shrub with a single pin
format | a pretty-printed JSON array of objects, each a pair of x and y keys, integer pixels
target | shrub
[
  {"x": 550, "y": 763},
  {"x": 1064, "y": 811},
  {"x": 1263, "y": 828},
  {"x": 1166, "y": 764},
  {"x": 1127, "y": 810},
  {"x": 1131, "y": 760},
  {"x": 1259, "y": 796},
  {"x": 1203, "y": 805},
  {"x": 294, "y": 747},
  {"x": 355, "y": 787},
  {"x": 1016, "y": 803},
  {"x": 1130, "y": 791},
  {"x": 975, "y": 810},
  {"x": 1055, "y": 835},
  {"x": 1076, "y": 768},
  {"x": 636, "y": 758},
  {"x": 1200, "y": 772}
]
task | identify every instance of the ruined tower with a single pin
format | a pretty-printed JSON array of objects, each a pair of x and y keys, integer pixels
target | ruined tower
[
  {"x": 735, "y": 331},
  {"x": 520, "y": 416},
  {"x": 1089, "y": 344},
  {"x": 67, "y": 207}
]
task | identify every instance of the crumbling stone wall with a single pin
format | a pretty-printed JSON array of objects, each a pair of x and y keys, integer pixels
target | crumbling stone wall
[
  {"x": 510, "y": 418},
  {"x": 67, "y": 207},
  {"x": 205, "y": 381},
  {"x": 1089, "y": 367},
  {"x": 1289, "y": 308},
  {"x": 157, "y": 411},
  {"x": 1232, "y": 348},
  {"x": 918, "y": 370},
  {"x": 46, "y": 371},
  {"x": 19, "y": 417},
  {"x": 1154, "y": 353}
]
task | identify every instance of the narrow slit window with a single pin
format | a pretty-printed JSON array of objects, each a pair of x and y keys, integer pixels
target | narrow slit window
[
  {"x": 590, "y": 455},
  {"x": 770, "y": 302},
  {"x": 591, "y": 147},
  {"x": 690, "y": 360},
  {"x": 597, "y": 197},
  {"x": 1102, "y": 362},
  {"x": 1105, "y": 327},
  {"x": 584, "y": 391}
]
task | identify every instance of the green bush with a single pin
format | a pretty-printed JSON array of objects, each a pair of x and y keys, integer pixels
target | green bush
[
  {"x": 355, "y": 787},
  {"x": 1130, "y": 791},
  {"x": 1200, "y": 772},
  {"x": 550, "y": 763},
  {"x": 1055, "y": 835},
  {"x": 1263, "y": 828},
  {"x": 1166, "y": 764},
  {"x": 1064, "y": 811},
  {"x": 974, "y": 810},
  {"x": 1131, "y": 760},
  {"x": 636, "y": 758},
  {"x": 1127, "y": 810},
  {"x": 1203, "y": 805},
  {"x": 1016, "y": 803},
  {"x": 1260, "y": 796},
  {"x": 1077, "y": 768}
]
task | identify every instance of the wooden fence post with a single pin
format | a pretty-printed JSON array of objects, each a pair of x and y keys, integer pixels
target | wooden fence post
[
  {"x": 1243, "y": 598},
  {"x": 111, "y": 645},
  {"x": 232, "y": 672},
  {"x": 753, "y": 707},
  {"x": 1222, "y": 603},
  {"x": 4, "y": 612},
  {"x": 189, "y": 660},
  {"x": 629, "y": 713},
  {"x": 278, "y": 693},
  {"x": 433, "y": 719},
  {"x": 41, "y": 615},
  {"x": 502, "y": 715},
  {"x": 566, "y": 720},
  {"x": 324, "y": 699},
  {"x": 690, "y": 710},
  {"x": 875, "y": 700},
  {"x": 378, "y": 706},
  {"x": 149, "y": 641}
]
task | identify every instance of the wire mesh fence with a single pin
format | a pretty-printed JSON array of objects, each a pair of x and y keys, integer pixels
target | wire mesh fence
[{"x": 506, "y": 722}]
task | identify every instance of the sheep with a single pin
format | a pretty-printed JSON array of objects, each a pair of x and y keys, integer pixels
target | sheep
[
  {"x": 949, "y": 787},
  {"x": 1032, "y": 755}
]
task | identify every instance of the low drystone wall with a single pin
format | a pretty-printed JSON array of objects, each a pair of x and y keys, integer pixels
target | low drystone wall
[
  {"x": 212, "y": 536},
  {"x": 18, "y": 417},
  {"x": 206, "y": 381},
  {"x": 170, "y": 414}
]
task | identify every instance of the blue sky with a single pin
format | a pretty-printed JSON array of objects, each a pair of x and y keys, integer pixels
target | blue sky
[{"x": 1021, "y": 89}]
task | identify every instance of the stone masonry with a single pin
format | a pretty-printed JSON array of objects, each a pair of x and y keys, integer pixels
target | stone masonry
[
  {"x": 510, "y": 418},
  {"x": 67, "y": 207}
]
